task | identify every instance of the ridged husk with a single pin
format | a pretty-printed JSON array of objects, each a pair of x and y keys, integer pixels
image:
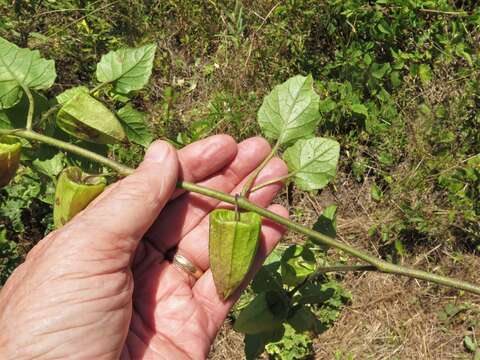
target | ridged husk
[
  {"x": 74, "y": 191},
  {"x": 232, "y": 247},
  {"x": 10, "y": 151}
]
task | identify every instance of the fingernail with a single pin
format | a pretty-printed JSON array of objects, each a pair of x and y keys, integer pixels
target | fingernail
[{"x": 158, "y": 152}]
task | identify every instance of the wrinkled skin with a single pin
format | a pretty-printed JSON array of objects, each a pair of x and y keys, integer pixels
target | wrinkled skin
[{"x": 102, "y": 287}]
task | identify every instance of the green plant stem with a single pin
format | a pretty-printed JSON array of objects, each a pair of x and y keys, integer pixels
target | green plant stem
[
  {"x": 47, "y": 114},
  {"x": 98, "y": 87},
  {"x": 251, "y": 179},
  {"x": 270, "y": 182},
  {"x": 242, "y": 202},
  {"x": 342, "y": 268},
  {"x": 31, "y": 107}
]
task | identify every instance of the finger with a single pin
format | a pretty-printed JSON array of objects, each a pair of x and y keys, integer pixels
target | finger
[
  {"x": 204, "y": 158},
  {"x": 198, "y": 161},
  {"x": 183, "y": 214},
  {"x": 194, "y": 246},
  {"x": 205, "y": 291},
  {"x": 119, "y": 220}
]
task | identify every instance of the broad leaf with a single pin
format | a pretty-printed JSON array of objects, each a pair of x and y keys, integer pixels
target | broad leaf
[
  {"x": 22, "y": 68},
  {"x": 313, "y": 162},
  {"x": 290, "y": 111},
  {"x": 327, "y": 221},
  {"x": 68, "y": 94},
  {"x": 16, "y": 116},
  {"x": 135, "y": 125},
  {"x": 128, "y": 69}
]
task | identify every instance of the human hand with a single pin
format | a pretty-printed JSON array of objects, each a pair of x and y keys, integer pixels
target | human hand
[{"x": 95, "y": 290}]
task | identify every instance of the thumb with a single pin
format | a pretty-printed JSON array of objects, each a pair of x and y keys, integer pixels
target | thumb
[{"x": 124, "y": 213}]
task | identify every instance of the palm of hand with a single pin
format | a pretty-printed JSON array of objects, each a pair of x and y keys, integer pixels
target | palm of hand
[{"x": 83, "y": 305}]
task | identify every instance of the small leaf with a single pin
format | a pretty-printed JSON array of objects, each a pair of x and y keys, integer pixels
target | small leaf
[
  {"x": 425, "y": 73},
  {"x": 297, "y": 263},
  {"x": 290, "y": 111},
  {"x": 128, "y": 69},
  {"x": 50, "y": 167},
  {"x": 68, "y": 94},
  {"x": 359, "y": 109},
  {"x": 327, "y": 222},
  {"x": 376, "y": 193},
  {"x": 313, "y": 162},
  {"x": 22, "y": 68},
  {"x": 470, "y": 345},
  {"x": 135, "y": 125}
]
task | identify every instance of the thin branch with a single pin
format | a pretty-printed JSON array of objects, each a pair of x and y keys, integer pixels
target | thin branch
[
  {"x": 31, "y": 107},
  {"x": 251, "y": 179},
  {"x": 378, "y": 264}
]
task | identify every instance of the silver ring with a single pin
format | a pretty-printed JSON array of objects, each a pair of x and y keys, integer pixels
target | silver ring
[{"x": 186, "y": 265}]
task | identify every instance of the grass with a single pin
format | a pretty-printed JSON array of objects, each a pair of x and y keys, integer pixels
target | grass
[{"x": 399, "y": 83}]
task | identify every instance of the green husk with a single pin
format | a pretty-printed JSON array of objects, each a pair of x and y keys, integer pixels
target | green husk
[
  {"x": 10, "y": 151},
  {"x": 232, "y": 247},
  {"x": 74, "y": 191},
  {"x": 88, "y": 119}
]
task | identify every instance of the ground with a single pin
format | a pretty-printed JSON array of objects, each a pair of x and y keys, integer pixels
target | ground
[{"x": 399, "y": 83}]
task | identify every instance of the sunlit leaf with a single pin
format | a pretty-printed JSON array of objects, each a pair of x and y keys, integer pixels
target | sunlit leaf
[
  {"x": 290, "y": 111},
  {"x": 135, "y": 125},
  {"x": 22, "y": 68},
  {"x": 63, "y": 97},
  {"x": 128, "y": 69},
  {"x": 313, "y": 162}
]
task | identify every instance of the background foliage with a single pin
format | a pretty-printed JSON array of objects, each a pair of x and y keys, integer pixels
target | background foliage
[{"x": 399, "y": 89}]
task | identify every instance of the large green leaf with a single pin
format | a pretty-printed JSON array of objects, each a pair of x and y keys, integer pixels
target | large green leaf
[
  {"x": 128, "y": 69},
  {"x": 135, "y": 125},
  {"x": 19, "y": 69},
  {"x": 313, "y": 162},
  {"x": 290, "y": 111}
]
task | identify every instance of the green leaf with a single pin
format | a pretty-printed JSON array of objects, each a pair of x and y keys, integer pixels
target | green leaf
[
  {"x": 425, "y": 73},
  {"x": 297, "y": 263},
  {"x": 359, "y": 109},
  {"x": 19, "y": 69},
  {"x": 50, "y": 167},
  {"x": 68, "y": 94},
  {"x": 267, "y": 278},
  {"x": 128, "y": 69},
  {"x": 264, "y": 313},
  {"x": 302, "y": 320},
  {"x": 290, "y": 111},
  {"x": 327, "y": 222},
  {"x": 16, "y": 116},
  {"x": 135, "y": 125},
  {"x": 376, "y": 193},
  {"x": 469, "y": 344},
  {"x": 313, "y": 162},
  {"x": 255, "y": 344}
]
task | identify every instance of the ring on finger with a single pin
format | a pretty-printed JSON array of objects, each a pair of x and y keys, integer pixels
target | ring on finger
[{"x": 187, "y": 266}]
